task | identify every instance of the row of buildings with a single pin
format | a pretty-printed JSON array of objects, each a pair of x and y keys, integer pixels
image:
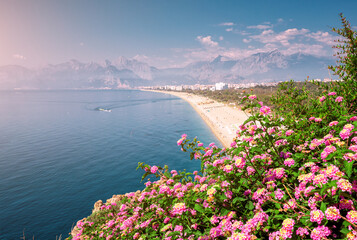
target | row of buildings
[
  {"x": 213, "y": 87},
  {"x": 222, "y": 86}
]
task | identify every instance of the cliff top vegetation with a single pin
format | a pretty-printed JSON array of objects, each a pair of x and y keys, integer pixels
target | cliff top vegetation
[{"x": 290, "y": 173}]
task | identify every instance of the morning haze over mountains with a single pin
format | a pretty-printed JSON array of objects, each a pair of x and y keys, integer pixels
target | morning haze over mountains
[{"x": 271, "y": 66}]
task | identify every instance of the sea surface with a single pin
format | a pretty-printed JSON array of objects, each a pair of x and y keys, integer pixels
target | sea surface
[{"x": 61, "y": 151}]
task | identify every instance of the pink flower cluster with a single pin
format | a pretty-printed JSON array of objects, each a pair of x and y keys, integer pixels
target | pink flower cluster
[
  {"x": 265, "y": 110},
  {"x": 346, "y": 131},
  {"x": 183, "y": 138},
  {"x": 316, "y": 216}
]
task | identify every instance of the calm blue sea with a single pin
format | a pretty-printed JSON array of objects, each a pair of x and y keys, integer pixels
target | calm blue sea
[{"x": 59, "y": 153}]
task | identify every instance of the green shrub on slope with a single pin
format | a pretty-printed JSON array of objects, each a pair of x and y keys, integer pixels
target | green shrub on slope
[{"x": 288, "y": 174}]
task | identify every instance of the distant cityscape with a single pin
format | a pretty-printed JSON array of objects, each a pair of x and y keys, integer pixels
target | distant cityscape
[{"x": 222, "y": 86}]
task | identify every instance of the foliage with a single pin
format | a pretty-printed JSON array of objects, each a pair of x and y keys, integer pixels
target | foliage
[
  {"x": 347, "y": 63},
  {"x": 288, "y": 174}
]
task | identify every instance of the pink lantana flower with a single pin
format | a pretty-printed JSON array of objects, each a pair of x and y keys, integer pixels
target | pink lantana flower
[
  {"x": 228, "y": 168},
  {"x": 321, "y": 232},
  {"x": 318, "y": 120},
  {"x": 179, "y": 208},
  {"x": 239, "y": 162},
  {"x": 332, "y": 213},
  {"x": 345, "y": 133},
  {"x": 250, "y": 170},
  {"x": 316, "y": 216},
  {"x": 265, "y": 110},
  {"x": 154, "y": 169},
  {"x": 352, "y": 216},
  {"x": 334, "y": 123},
  {"x": 339, "y": 99},
  {"x": 352, "y": 119},
  {"x": 344, "y": 185},
  {"x": 289, "y": 132},
  {"x": 279, "y": 194},
  {"x": 289, "y": 162}
]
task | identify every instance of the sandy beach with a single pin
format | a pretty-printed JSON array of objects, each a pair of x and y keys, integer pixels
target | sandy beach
[{"x": 223, "y": 119}]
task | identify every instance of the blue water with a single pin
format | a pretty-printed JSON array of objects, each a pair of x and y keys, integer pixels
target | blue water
[{"x": 59, "y": 153}]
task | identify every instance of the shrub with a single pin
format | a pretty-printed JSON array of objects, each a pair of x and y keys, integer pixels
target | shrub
[{"x": 288, "y": 174}]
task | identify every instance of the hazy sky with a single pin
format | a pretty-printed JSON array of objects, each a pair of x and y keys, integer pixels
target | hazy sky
[{"x": 164, "y": 33}]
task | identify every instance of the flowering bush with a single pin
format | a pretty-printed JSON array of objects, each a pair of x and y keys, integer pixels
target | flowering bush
[{"x": 288, "y": 174}]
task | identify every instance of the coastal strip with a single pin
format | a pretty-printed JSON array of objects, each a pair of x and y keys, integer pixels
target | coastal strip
[{"x": 223, "y": 119}]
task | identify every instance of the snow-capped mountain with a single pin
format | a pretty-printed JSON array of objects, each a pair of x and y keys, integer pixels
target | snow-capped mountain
[{"x": 126, "y": 73}]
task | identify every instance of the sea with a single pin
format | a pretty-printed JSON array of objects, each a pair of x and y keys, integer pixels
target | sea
[{"x": 61, "y": 151}]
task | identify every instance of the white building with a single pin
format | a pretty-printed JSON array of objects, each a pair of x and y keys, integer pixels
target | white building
[{"x": 221, "y": 86}]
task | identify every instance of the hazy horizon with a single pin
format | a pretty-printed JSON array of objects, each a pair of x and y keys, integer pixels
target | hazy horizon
[{"x": 164, "y": 34}]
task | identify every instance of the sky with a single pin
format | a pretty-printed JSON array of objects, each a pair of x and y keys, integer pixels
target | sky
[{"x": 34, "y": 33}]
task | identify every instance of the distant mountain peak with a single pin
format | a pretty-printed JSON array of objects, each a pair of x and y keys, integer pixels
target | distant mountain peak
[
  {"x": 107, "y": 63},
  {"x": 259, "y": 67}
]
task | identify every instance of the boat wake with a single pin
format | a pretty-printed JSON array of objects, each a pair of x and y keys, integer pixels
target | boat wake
[{"x": 103, "y": 109}]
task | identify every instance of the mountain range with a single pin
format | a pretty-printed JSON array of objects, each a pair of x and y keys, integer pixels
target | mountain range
[{"x": 129, "y": 73}]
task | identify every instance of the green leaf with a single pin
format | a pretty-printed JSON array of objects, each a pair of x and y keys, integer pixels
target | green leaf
[
  {"x": 304, "y": 220},
  {"x": 323, "y": 206},
  {"x": 346, "y": 224},
  {"x": 348, "y": 167},
  {"x": 224, "y": 212},
  {"x": 345, "y": 230},
  {"x": 250, "y": 205},
  {"x": 199, "y": 208},
  {"x": 167, "y": 174}
]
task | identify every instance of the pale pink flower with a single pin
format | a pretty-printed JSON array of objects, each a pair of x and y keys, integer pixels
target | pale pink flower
[
  {"x": 179, "y": 208},
  {"x": 345, "y": 133},
  {"x": 339, "y": 99},
  {"x": 239, "y": 162},
  {"x": 265, "y": 110},
  {"x": 288, "y": 224},
  {"x": 228, "y": 168},
  {"x": 250, "y": 170},
  {"x": 321, "y": 232},
  {"x": 331, "y": 94},
  {"x": 279, "y": 194},
  {"x": 352, "y": 216},
  {"x": 302, "y": 232},
  {"x": 332, "y": 213},
  {"x": 333, "y": 123},
  {"x": 289, "y": 162},
  {"x": 348, "y": 126},
  {"x": 318, "y": 119},
  {"x": 316, "y": 216},
  {"x": 154, "y": 169},
  {"x": 289, "y": 132},
  {"x": 344, "y": 185},
  {"x": 178, "y": 228}
]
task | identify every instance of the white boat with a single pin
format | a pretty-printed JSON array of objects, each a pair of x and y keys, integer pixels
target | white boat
[{"x": 104, "y": 110}]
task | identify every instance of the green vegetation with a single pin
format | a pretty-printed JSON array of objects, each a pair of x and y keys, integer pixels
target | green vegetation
[
  {"x": 290, "y": 173},
  {"x": 264, "y": 93}
]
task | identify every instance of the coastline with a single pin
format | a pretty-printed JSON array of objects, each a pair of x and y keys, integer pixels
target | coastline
[{"x": 223, "y": 120}]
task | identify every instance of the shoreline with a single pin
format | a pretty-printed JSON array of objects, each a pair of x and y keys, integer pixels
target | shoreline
[{"x": 223, "y": 120}]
